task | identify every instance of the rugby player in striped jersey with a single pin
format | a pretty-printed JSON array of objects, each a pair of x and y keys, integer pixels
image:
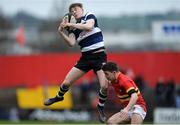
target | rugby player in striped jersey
[{"x": 88, "y": 35}]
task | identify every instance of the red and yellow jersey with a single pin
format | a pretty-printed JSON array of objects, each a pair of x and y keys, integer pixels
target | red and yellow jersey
[{"x": 124, "y": 87}]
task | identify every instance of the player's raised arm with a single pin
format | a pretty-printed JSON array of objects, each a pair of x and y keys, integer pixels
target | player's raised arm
[
  {"x": 83, "y": 26},
  {"x": 69, "y": 39}
]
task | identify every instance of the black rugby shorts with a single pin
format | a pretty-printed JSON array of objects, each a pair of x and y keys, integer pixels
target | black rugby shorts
[{"x": 92, "y": 61}]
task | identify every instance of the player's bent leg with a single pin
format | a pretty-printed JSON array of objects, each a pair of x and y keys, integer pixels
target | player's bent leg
[
  {"x": 103, "y": 85},
  {"x": 118, "y": 118},
  {"x": 102, "y": 94},
  {"x": 136, "y": 119},
  {"x": 138, "y": 115},
  {"x": 103, "y": 81},
  {"x": 113, "y": 119},
  {"x": 73, "y": 75}
]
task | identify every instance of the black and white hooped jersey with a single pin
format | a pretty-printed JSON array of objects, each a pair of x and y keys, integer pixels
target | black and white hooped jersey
[{"x": 89, "y": 40}]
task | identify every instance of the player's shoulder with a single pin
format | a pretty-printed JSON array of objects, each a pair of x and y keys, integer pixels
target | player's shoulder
[
  {"x": 89, "y": 14},
  {"x": 123, "y": 78}
]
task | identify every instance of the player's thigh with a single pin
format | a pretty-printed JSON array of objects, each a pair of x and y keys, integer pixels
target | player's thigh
[
  {"x": 136, "y": 119},
  {"x": 73, "y": 75},
  {"x": 118, "y": 118},
  {"x": 102, "y": 79}
]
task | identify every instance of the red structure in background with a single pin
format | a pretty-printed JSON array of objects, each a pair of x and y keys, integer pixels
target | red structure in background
[{"x": 34, "y": 70}]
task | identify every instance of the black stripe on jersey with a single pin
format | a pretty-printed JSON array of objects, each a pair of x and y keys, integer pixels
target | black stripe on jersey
[{"x": 130, "y": 92}]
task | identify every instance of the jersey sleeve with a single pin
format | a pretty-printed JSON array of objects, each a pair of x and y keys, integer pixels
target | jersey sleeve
[
  {"x": 91, "y": 16},
  {"x": 129, "y": 86}
]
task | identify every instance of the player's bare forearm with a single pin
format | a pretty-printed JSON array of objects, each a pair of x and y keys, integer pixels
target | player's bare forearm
[
  {"x": 82, "y": 26},
  {"x": 132, "y": 101},
  {"x": 86, "y": 26},
  {"x": 68, "y": 39}
]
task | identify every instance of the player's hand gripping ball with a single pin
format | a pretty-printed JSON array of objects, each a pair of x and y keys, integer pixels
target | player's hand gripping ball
[{"x": 69, "y": 18}]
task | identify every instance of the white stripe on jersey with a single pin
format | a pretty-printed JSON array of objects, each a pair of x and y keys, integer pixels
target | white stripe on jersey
[
  {"x": 85, "y": 34},
  {"x": 92, "y": 47}
]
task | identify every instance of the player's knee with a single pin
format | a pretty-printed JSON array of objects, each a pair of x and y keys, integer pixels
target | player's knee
[
  {"x": 110, "y": 121},
  {"x": 136, "y": 119}
]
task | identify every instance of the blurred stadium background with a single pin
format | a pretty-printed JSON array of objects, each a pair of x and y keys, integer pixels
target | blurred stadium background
[{"x": 34, "y": 60}]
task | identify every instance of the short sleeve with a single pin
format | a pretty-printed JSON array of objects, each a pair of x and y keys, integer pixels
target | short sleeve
[
  {"x": 129, "y": 86},
  {"x": 91, "y": 16}
]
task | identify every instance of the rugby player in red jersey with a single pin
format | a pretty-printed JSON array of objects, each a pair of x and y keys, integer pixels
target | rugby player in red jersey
[{"x": 134, "y": 110}]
